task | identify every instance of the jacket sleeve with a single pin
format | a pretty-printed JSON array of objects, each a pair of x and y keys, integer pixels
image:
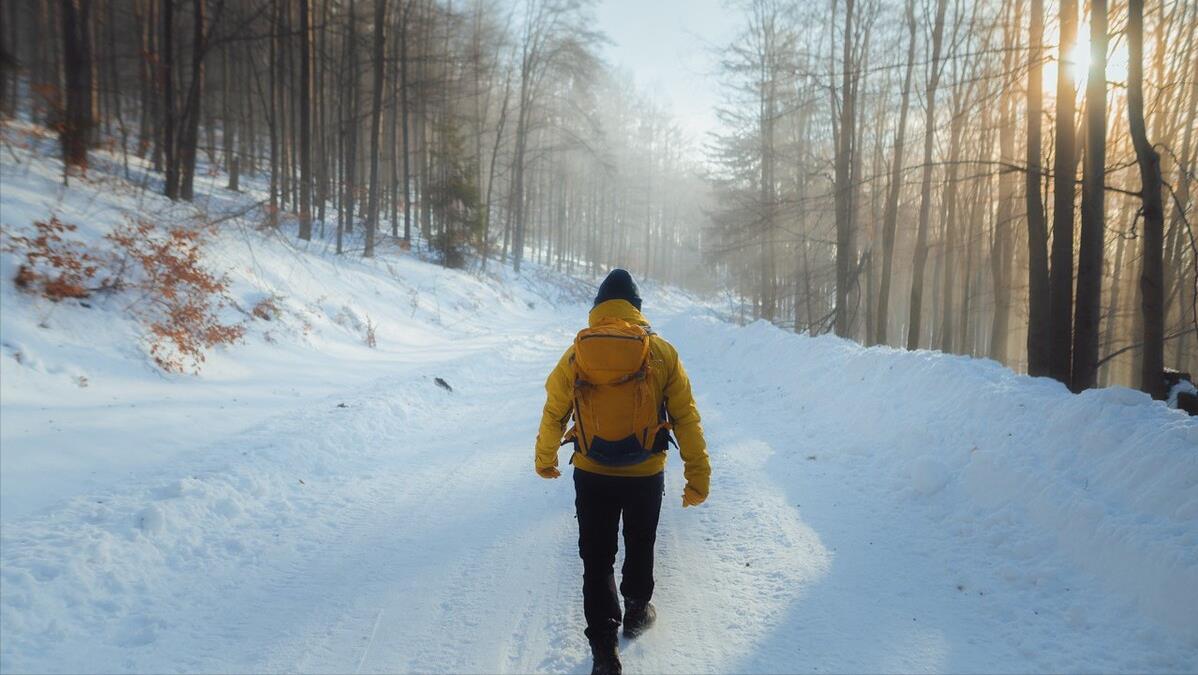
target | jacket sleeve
[
  {"x": 684, "y": 417},
  {"x": 559, "y": 401}
]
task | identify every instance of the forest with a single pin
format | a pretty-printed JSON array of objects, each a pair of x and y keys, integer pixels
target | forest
[{"x": 1008, "y": 179}]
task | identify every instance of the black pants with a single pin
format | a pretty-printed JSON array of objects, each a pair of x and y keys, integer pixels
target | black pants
[{"x": 599, "y": 502}]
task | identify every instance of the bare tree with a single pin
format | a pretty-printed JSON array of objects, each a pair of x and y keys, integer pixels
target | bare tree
[
  {"x": 187, "y": 144},
  {"x": 376, "y": 113},
  {"x": 554, "y": 36},
  {"x": 1037, "y": 231},
  {"x": 166, "y": 57},
  {"x": 844, "y": 133},
  {"x": 1151, "y": 283},
  {"x": 1060, "y": 330},
  {"x": 890, "y": 219},
  {"x": 1093, "y": 225},
  {"x": 1002, "y": 249},
  {"x": 925, "y": 201},
  {"x": 305, "y": 125},
  {"x": 79, "y": 116},
  {"x": 349, "y": 128}
]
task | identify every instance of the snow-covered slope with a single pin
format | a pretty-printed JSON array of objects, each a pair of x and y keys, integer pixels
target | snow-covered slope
[
  {"x": 84, "y": 406},
  {"x": 311, "y": 504}
]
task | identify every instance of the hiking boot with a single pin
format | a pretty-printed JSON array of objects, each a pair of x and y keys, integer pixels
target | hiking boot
[
  {"x": 605, "y": 656},
  {"x": 639, "y": 615}
]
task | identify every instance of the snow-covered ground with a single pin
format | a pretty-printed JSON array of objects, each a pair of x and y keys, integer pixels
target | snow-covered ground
[{"x": 312, "y": 504}]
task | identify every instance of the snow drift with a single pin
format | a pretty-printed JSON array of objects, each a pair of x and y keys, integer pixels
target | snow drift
[{"x": 1109, "y": 474}]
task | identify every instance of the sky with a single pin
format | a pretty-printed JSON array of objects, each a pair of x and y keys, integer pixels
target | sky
[{"x": 666, "y": 45}]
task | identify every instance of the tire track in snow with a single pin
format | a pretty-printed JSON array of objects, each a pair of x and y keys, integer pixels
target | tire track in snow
[
  {"x": 728, "y": 570},
  {"x": 447, "y": 588}
]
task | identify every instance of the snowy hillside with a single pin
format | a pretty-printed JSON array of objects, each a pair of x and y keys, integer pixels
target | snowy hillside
[
  {"x": 78, "y": 375},
  {"x": 312, "y": 503}
]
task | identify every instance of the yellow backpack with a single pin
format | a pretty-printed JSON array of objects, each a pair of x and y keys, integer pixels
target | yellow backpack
[{"x": 615, "y": 420}]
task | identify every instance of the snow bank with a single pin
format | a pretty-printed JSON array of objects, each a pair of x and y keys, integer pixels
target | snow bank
[{"x": 1110, "y": 474}]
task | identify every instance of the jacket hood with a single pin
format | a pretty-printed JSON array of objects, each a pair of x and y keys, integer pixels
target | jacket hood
[{"x": 618, "y": 309}]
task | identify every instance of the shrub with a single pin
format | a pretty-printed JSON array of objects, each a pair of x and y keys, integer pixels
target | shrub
[
  {"x": 55, "y": 267},
  {"x": 179, "y": 299},
  {"x": 371, "y": 340}
]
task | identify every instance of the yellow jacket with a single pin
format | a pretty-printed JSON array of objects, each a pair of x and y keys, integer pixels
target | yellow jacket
[{"x": 668, "y": 380}]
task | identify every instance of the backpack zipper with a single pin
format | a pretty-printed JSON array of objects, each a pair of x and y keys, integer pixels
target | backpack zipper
[{"x": 614, "y": 337}]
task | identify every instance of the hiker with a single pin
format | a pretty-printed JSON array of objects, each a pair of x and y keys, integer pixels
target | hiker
[{"x": 625, "y": 389}]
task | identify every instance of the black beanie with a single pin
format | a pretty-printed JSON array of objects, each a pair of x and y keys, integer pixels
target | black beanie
[{"x": 619, "y": 286}]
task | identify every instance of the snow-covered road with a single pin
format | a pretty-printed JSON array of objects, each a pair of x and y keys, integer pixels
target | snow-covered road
[{"x": 399, "y": 527}]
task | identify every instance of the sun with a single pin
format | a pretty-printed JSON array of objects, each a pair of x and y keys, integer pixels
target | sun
[
  {"x": 1079, "y": 58},
  {"x": 1078, "y": 62}
]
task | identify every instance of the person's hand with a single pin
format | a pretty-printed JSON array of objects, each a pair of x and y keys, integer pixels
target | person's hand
[
  {"x": 692, "y": 497},
  {"x": 548, "y": 472}
]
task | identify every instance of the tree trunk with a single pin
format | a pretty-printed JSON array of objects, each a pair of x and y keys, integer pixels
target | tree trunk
[
  {"x": 517, "y": 209},
  {"x": 191, "y": 115},
  {"x": 167, "y": 58},
  {"x": 1151, "y": 275},
  {"x": 925, "y": 203},
  {"x": 503, "y": 113},
  {"x": 1181, "y": 206},
  {"x": 403, "y": 123},
  {"x": 321, "y": 163},
  {"x": 350, "y": 130},
  {"x": 376, "y": 113},
  {"x": 846, "y": 254},
  {"x": 9, "y": 59},
  {"x": 1037, "y": 233},
  {"x": 392, "y": 135},
  {"x": 79, "y": 117},
  {"x": 890, "y": 218},
  {"x": 1112, "y": 313},
  {"x": 274, "y": 116},
  {"x": 146, "y": 77},
  {"x": 1065, "y": 169},
  {"x": 948, "y": 280},
  {"x": 229, "y": 127},
  {"x": 305, "y": 122},
  {"x": 1093, "y": 227}
]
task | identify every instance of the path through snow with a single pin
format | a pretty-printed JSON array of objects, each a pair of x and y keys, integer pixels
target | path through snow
[{"x": 406, "y": 531}]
